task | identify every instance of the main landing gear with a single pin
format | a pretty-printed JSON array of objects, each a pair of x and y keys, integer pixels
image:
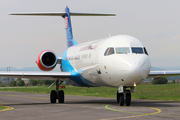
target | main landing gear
[
  {"x": 57, "y": 94},
  {"x": 124, "y": 96}
]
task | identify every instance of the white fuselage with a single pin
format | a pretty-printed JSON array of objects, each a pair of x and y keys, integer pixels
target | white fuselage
[{"x": 113, "y": 69}]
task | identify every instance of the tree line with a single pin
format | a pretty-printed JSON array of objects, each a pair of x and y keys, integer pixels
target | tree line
[
  {"x": 32, "y": 82},
  {"x": 160, "y": 80}
]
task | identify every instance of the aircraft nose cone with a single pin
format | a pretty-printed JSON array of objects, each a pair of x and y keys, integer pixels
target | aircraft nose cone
[
  {"x": 133, "y": 65},
  {"x": 137, "y": 64},
  {"x": 138, "y": 70}
]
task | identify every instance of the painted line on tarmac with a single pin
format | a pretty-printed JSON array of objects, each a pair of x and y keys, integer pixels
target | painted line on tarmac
[
  {"x": 7, "y": 108},
  {"x": 142, "y": 114}
]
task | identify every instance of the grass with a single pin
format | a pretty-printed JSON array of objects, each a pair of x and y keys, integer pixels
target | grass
[
  {"x": 2, "y": 107},
  {"x": 169, "y": 92}
]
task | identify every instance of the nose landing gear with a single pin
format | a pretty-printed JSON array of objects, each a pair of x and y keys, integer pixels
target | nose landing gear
[{"x": 124, "y": 97}]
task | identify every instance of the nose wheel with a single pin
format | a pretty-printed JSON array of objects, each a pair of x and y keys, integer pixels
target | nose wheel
[
  {"x": 121, "y": 99},
  {"x": 117, "y": 97},
  {"x": 124, "y": 97},
  {"x": 128, "y": 99}
]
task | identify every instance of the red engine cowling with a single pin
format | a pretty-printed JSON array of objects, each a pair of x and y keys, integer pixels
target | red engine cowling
[{"x": 47, "y": 60}]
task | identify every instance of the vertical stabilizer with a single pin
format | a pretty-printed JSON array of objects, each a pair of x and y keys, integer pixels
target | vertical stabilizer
[{"x": 70, "y": 40}]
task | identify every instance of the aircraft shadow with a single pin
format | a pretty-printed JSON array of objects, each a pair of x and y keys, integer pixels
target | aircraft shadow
[{"x": 134, "y": 103}]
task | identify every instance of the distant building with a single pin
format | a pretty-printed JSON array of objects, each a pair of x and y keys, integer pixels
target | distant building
[
  {"x": 5, "y": 80},
  {"x": 26, "y": 80}
]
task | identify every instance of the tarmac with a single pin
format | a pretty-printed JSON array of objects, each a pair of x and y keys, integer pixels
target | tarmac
[{"x": 36, "y": 106}]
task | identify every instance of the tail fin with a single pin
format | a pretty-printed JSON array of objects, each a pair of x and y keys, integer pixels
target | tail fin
[
  {"x": 66, "y": 15},
  {"x": 70, "y": 40}
]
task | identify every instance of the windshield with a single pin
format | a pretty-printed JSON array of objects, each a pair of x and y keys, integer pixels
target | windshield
[
  {"x": 123, "y": 50},
  {"x": 145, "y": 51},
  {"x": 137, "y": 50},
  {"x": 109, "y": 51}
]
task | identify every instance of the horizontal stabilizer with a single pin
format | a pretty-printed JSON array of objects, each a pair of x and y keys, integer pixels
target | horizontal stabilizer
[
  {"x": 91, "y": 14},
  {"x": 41, "y": 14},
  {"x": 64, "y": 13}
]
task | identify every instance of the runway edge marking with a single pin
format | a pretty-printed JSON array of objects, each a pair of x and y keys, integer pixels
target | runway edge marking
[
  {"x": 158, "y": 111},
  {"x": 7, "y": 108}
]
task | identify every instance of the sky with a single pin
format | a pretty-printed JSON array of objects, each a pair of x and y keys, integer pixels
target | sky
[{"x": 156, "y": 23}]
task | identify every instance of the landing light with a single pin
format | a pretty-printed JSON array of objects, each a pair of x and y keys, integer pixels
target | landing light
[{"x": 134, "y": 84}]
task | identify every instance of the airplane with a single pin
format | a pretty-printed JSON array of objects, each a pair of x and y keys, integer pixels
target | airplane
[{"x": 120, "y": 61}]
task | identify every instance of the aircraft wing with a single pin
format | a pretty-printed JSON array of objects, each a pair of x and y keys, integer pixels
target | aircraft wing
[
  {"x": 155, "y": 74},
  {"x": 63, "y": 76}
]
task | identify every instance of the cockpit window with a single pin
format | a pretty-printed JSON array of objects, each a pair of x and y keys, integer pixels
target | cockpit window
[
  {"x": 145, "y": 51},
  {"x": 123, "y": 50},
  {"x": 109, "y": 51},
  {"x": 106, "y": 51},
  {"x": 137, "y": 50}
]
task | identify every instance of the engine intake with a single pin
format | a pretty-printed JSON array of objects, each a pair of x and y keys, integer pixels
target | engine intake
[{"x": 47, "y": 60}]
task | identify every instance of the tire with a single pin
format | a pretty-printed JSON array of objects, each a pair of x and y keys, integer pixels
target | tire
[
  {"x": 61, "y": 96},
  {"x": 130, "y": 96},
  {"x": 53, "y": 96},
  {"x": 128, "y": 99},
  {"x": 117, "y": 97},
  {"x": 121, "y": 99}
]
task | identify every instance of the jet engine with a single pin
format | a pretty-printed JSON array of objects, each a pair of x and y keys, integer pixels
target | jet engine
[{"x": 47, "y": 60}]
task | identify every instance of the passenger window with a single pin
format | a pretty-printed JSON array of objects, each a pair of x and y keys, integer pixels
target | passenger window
[
  {"x": 137, "y": 50},
  {"x": 111, "y": 51},
  {"x": 84, "y": 56},
  {"x": 123, "y": 50},
  {"x": 70, "y": 58},
  {"x": 145, "y": 51},
  {"x": 77, "y": 57}
]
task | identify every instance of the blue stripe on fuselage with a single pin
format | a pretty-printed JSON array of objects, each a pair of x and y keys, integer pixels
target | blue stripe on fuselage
[
  {"x": 76, "y": 79},
  {"x": 70, "y": 40}
]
